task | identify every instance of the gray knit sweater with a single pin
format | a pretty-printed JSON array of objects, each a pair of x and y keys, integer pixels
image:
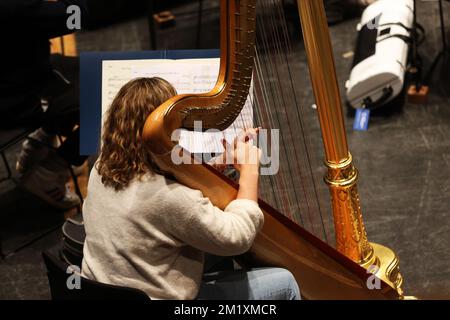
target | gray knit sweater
[{"x": 152, "y": 235}]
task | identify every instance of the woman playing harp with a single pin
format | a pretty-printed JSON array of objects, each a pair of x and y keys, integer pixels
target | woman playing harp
[{"x": 147, "y": 231}]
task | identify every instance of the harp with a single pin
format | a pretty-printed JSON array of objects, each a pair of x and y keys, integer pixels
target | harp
[{"x": 323, "y": 271}]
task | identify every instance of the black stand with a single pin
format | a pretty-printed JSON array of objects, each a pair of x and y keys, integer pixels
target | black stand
[
  {"x": 151, "y": 23},
  {"x": 444, "y": 54},
  {"x": 416, "y": 67},
  {"x": 199, "y": 24}
]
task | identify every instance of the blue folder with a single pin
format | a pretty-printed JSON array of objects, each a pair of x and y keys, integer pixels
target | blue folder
[{"x": 91, "y": 87}]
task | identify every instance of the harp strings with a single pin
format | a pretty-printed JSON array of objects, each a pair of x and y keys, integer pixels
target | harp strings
[
  {"x": 276, "y": 105},
  {"x": 294, "y": 166},
  {"x": 312, "y": 194}
]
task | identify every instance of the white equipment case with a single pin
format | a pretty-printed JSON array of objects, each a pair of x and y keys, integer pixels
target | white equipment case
[{"x": 379, "y": 66}]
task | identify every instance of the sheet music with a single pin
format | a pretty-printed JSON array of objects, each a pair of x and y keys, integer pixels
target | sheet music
[{"x": 187, "y": 76}]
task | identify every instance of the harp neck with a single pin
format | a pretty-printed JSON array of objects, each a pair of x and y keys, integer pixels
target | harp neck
[{"x": 218, "y": 108}]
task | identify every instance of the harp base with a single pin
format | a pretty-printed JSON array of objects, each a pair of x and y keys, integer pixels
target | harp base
[{"x": 387, "y": 267}]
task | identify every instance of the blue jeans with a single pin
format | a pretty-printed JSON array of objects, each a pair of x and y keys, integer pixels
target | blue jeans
[{"x": 254, "y": 284}]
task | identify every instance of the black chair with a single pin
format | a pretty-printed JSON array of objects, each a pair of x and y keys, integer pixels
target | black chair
[{"x": 89, "y": 289}]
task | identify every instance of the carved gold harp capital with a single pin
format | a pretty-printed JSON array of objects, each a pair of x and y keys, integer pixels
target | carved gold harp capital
[{"x": 351, "y": 237}]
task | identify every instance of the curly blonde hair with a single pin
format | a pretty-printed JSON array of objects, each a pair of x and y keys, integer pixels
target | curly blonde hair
[{"x": 123, "y": 155}]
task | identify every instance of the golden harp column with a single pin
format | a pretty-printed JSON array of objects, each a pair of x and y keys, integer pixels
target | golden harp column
[{"x": 342, "y": 176}]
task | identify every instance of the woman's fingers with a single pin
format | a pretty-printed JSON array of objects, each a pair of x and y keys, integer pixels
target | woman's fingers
[
  {"x": 251, "y": 134},
  {"x": 226, "y": 145},
  {"x": 228, "y": 151},
  {"x": 247, "y": 135}
]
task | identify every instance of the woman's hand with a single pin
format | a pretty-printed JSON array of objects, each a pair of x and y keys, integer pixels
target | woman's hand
[
  {"x": 245, "y": 157},
  {"x": 241, "y": 153}
]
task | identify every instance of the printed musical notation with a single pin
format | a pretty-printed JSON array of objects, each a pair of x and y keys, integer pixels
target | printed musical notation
[{"x": 187, "y": 76}]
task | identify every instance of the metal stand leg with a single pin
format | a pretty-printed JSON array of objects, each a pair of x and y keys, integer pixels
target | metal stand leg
[
  {"x": 441, "y": 16},
  {"x": 30, "y": 242},
  {"x": 151, "y": 24},
  {"x": 2, "y": 256},
  {"x": 416, "y": 69},
  {"x": 8, "y": 169},
  {"x": 199, "y": 23},
  {"x": 445, "y": 52},
  {"x": 77, "y": 188},
  {"x": 75, "y": 182}
]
